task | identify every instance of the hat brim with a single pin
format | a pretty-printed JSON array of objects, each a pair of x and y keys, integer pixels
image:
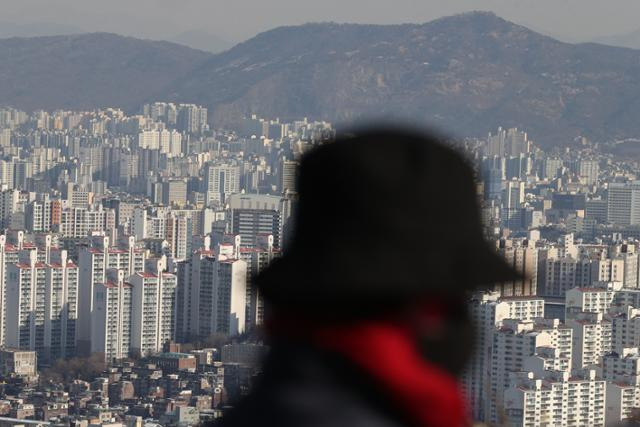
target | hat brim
[
  {"x": 297, "y": 279},
  {"x": 491, "y": 269}
]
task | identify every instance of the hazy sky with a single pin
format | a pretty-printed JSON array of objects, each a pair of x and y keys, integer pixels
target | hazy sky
[{"x": 235, "y": 20}]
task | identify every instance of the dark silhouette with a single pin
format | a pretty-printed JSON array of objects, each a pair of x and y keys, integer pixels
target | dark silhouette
[{"x": 367, "y": 312}]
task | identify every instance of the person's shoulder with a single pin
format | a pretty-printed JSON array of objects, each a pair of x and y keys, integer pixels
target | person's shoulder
[
  {"x": 306, "y": 405},
  {"x": 309, "y": 390}
]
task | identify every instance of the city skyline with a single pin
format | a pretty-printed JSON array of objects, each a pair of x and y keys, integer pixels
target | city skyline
[
  {"x": 143, "y": 233},
  {"x": 326, "y": 224}
]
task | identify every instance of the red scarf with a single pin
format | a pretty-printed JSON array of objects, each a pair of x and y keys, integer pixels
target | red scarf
[{"x": 388, "y": 352}]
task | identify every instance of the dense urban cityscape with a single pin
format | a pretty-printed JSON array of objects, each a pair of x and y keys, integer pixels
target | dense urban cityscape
[
  {"x": 130, "y": 242},
  {"x": 165, "y": 221},
  {"x": 319, "y": 214}
]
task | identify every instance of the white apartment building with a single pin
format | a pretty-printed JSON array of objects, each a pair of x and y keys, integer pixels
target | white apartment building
[
  {"x": 61, "y": 308},
  {"x": 548, "y": 359},
  {"x": 488, "y": 311},
  {"x": 220, "y": 181},
  {"x": 623, "y": 366},
  {"x": 79, "y": 198},
  {"x": 170, "y": 142},
  {"x": 608, "y": 270},
  {"x": 149, "y": 139},
  {"x": 38, "y": 214},
  {"x": 80, "y": 222},
  {"x": 13, "y": 247},
  {"x": 8, "y": 255},
  {"x": 8, "y": 206},
  {"x": 561, "y": 339},
  {"x": 25, "y": 313},
  {"x": 624, "y": 203},
  {"x": 564, "y": 273},
  {"x": 230, "y": 302},
  {"x": 94, "y": 261},
  {"x": 257, "y": 259},
  {"x": 145, "y": 226},
  {"x": 523, "y": 308},
  {"x": 555, "y": 399},
  {"x": 175, "y": 144},
  {"x": 596, "y": 299},
  {"x": 627, "y": 253},
  {"x": 212, "y": 294},
  {"x": 43, "y": 312},
  {"x": 160, "y": 223},
  {"x": 592, "y": 338},
  {"x": 195, "y": 277},
  {"x": 588, "y": 170},
  {"x": 625, "y": 329},
  {"x": 623, "y": 400},
  {"x": 179, "y": 235},
  {"x": 111, "y": 317},
  {"x": 622, "y": 373},
  {"x": 7, "y": 169},
  {"x": 153, "y": 309},
  {"x": 514, "y": 342},
  {"x": 192, "y": 118},
  {"x": 139, "y": 223},
  {"x": 507, "y": 142},
  {"x": 5, "y": 137}
]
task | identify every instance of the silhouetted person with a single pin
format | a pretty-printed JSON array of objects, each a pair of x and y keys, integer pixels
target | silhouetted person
[{"x": 367, "y": 308}]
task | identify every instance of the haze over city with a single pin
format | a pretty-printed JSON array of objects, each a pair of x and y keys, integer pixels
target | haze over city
[
  {"x": 572, "y": 20},
  {"x": 318, "y": 214}
]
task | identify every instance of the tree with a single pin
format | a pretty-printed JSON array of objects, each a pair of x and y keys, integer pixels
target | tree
[{"x": 67, "y": 370}]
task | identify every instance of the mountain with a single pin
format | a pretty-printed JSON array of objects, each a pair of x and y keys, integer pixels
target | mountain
[
  {"x": 36, "y": 29},
  {"x": 202, "y": 40},
  {"x": 466, "y": 74},
  {"x": 89, "y": 70},
  {"x": 630, "y": 40}
]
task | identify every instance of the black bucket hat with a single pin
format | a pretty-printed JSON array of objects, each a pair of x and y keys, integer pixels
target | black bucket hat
[{"x": 384, "y": 217}]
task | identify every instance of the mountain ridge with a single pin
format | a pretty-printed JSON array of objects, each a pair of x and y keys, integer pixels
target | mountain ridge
[
  {"x": 629, "y": 40},
  {"x": 201, "y": 40},
  {"x": 85, "y": 71},
  {"x": 465, "y": 74},
  {"x": 36, "y": 29}
]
